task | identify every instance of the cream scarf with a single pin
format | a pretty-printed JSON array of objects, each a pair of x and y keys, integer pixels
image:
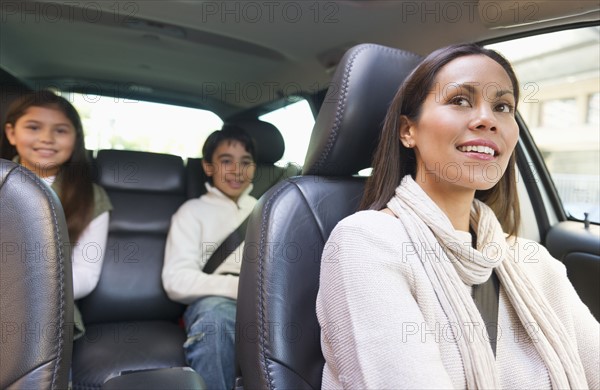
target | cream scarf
[{"x": 450, "y": 264}]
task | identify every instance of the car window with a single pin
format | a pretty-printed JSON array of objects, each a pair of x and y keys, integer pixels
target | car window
[
  {"x": 118, "y": 123},
  {"x": 295, "y": 122},
  {"x": 560, "y": 81}
]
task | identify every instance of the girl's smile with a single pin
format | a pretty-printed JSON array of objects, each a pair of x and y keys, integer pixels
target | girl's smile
[{"x": 44, "y": 139}]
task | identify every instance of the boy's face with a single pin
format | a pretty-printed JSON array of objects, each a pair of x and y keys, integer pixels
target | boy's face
[{"x": 232, "y": 168}]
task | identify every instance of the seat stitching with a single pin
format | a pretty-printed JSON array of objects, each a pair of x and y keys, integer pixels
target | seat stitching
[{"x": 261, "y": 292}]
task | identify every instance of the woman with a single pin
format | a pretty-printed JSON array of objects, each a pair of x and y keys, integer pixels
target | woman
[{"x": 400, "y": 301}]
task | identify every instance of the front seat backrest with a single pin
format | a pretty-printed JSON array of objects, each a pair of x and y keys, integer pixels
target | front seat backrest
[
  {"x": 278, "y": 339},
  {"x": 36, "y": 284}
]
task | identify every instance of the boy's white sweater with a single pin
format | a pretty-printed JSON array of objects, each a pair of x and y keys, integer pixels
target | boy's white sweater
[{"x": 197, "y": 229}]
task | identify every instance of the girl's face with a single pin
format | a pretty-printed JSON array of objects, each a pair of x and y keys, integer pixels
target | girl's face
[
  {"x": 44, "y": 139},
  {"x": 232, "y": 168},
  {"x": 467, "y": 131}
]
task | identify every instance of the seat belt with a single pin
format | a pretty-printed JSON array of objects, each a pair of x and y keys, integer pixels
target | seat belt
[{"x": 231, "y": 243}]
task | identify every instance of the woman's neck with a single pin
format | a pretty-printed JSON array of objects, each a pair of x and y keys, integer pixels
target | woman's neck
[{"x": 454, "y": 202}]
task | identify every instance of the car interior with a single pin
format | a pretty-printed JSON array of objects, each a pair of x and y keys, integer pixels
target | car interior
[{"x": 241, "y": 62}]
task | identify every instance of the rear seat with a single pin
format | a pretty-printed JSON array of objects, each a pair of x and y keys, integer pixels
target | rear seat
[{"x": 131, "y": 324}]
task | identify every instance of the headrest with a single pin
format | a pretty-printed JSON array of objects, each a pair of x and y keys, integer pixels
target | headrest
[
  {"x": 269, "y": 141},
  {"x": 140, "y": 171},
  {"x": 347, "y": 128}
]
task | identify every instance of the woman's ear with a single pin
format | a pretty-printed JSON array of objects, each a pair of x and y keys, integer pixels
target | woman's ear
[
  {"x": 9, "y": 130},
  {"x": 405, "y": 131},
  {"x": 209, "y": 169}
]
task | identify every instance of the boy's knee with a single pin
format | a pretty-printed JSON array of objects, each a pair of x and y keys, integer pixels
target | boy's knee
[
  {"x": 216, "y": 303},
  {"x": 210, "y": 311}
]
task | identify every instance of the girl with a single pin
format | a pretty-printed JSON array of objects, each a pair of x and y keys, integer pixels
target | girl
[
  {"x": 43, "y": 132},
  {"x": 423, "y": 289}
]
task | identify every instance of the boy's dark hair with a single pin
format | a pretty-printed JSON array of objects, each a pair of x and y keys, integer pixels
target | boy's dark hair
[{"x": 227, "y": 133}]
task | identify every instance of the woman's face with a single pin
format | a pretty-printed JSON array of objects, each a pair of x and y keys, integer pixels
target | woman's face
[
  {"x": 44, "y": 139},
  {"x": 467, "y": 131}
]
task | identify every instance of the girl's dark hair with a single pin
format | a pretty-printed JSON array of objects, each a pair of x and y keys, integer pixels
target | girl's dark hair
[
  {"x": 76, "y": 191},
  {"x": 392, "y": 160}
]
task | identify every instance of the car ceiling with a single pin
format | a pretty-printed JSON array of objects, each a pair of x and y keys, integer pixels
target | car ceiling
[{"x": 230, "y": 56}]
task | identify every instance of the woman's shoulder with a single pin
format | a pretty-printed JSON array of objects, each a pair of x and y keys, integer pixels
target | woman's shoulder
[
  {"x": 367, "y": 218},
  {"x": 372, "y": 238},
  {"x": 369, "y": 224}
]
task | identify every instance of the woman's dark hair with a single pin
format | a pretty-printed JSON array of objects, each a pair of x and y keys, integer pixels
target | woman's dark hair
[
  {"x": 76, "y": 192},
  {"x": 229, "y": 133},
  {"x": 392, "y": 160}
]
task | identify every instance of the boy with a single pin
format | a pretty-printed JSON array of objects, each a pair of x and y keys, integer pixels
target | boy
[{"x": 197, "y": 229}]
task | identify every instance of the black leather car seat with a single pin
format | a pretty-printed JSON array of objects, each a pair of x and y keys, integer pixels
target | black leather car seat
[
  {"x": 130, "y": 322},
  {"x": 278, "y": 341},
  {"x": 36, "y": 284},
  {"x": 269, "y": 149}
]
